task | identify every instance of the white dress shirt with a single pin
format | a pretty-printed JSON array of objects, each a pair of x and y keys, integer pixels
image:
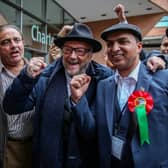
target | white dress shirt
[{"x": 126, "y": 85}]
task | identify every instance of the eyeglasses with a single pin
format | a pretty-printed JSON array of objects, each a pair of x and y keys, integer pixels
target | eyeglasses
[
  {"x": 8, "y": 42},
  {"x": 78, "y": 51}
]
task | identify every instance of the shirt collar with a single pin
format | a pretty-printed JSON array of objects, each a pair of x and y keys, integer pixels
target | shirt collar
[
  {"x": 133, "y": 74},
  {"x": 3, "y": 68},
  {"x": 68, "y": 77}
]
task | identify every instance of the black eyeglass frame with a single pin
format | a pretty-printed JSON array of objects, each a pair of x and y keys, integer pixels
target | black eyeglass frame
[{"x": 79, "y": 51}]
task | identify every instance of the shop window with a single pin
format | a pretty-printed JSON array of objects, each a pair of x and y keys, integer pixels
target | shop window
[
  {"x": 17, "y": 2},
  {"x": 68, "y": 19},
  {"x": 9, "y": 15},
  {"x": 34, "y": 7},
  {"x": 54, "y": 14},
  {"x": 163, "y": 22},
  {"x": 34, "y": 34}
]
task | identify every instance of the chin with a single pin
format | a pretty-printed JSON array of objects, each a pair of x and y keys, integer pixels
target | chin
[{"x": 72, "y": 73}]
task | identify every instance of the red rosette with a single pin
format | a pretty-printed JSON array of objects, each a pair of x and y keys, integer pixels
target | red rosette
[{"x": 140, "y": 97}]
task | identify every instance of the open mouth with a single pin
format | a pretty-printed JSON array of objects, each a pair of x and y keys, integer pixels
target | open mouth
[{"x": 15, "y": 53}]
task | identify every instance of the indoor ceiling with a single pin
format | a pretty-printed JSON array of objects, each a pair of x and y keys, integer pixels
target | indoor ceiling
[{"x": 95, "y": 10}]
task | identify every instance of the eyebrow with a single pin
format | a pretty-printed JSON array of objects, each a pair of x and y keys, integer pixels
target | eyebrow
[{"x": 118, "y": 39}]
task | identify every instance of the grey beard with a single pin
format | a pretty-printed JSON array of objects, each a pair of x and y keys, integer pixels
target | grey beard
[{"x": 82, "y": 70}]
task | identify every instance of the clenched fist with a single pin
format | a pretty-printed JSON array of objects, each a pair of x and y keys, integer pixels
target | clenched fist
[
  {"x": 35, "y": 66},
  {"x": 79, "y": 85}
]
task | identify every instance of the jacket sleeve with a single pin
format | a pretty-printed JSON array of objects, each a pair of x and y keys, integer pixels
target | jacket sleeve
[
  {"x": 84, "y": 118},
  {"x": 19, "y": 97},
  {"x": 146, "y": 55}
]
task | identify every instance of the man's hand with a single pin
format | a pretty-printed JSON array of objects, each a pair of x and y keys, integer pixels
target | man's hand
[
  {"x": 54, "y": 51},
  {"x": 36, "y": 66},
  {"x": 79, "y": 85},
  {"x": 65, "y": 30},
  {"x": 154, "y": 63},
  {"x": 120, "y": 12}
]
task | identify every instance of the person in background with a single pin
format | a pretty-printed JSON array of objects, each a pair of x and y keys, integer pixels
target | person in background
[
  {"x": 130, "y": 110},
  {"x": 54, "y": 51},
  {"x": 164, "y": 45},
  {"x": 57, "y": 141},
  {"x": 17, "y": 139},
  {"x": 163, "y": 52}
]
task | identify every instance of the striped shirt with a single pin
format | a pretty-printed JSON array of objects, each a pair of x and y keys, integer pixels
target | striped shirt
[{"x": 20, "y": 126}]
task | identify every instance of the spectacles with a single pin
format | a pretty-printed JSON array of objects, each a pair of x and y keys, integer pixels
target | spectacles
[
  {"x": 78, "y": 51},
  {"x": 8, "y": 42}
]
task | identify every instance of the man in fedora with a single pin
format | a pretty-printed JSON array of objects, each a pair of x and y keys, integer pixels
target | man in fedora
[
  {"x": 131, "y": 109},
  {"x": 57, "y": 141}
]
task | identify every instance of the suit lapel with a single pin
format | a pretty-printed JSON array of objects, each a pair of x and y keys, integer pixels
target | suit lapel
[
  {"x": 109, "y": 103},
  {"x": 144, "y": 79}
]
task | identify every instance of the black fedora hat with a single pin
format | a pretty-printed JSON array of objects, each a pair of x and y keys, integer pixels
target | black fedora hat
[
  {"x": 80, "y": 32},
  {"x": 121, "y": 27}
]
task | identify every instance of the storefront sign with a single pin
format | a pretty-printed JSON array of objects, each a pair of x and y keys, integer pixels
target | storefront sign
[{"x": 40, "y": 37}]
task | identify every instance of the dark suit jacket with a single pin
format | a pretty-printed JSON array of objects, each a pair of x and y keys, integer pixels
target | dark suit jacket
[{"x": 153, "y": 155}]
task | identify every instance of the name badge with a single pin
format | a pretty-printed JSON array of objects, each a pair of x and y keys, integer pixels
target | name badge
[{"x": 117, "y": 147}]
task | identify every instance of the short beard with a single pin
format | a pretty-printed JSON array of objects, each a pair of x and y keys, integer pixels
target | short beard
[{"x": 81, "y": 71}]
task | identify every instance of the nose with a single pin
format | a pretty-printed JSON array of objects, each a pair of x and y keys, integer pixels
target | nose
[
  {"x": 73, "y": 54},
  {"x": 115, "y": 47},
  {"x": 166, "y": 51},
  {"x": 13, "y": 43}
]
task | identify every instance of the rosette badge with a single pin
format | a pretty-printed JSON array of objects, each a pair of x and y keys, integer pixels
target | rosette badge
[{"x": 141, "y": 103}]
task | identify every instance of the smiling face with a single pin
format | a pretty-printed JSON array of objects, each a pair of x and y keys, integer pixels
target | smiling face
[
  {"x": 164, "y": 45},
  {"x": 76, "y": 57},
  {"x": 11, "y": 46},
  {"x": 123, "y": 51}
]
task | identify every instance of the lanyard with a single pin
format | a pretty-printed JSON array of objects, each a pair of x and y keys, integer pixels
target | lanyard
[{"x": 119, "y": 116}]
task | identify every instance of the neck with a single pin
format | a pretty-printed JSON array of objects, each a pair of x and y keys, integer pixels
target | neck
[
  {"x": 15, "y": 69},
  {"x": 127, "y": 71}
]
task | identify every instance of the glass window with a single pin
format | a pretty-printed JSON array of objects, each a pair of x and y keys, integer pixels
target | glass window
[
  {"x": 9, "y": 15},
  {"x": 34, "y": 34},
  {"x": 52, "y": 31},
  {"x": 18, "y": 2},
  {"x": 34, "y": 7},
  {"x": 68, "y": 19},
  {"x": 163, "y": 22},
  {"x": 54, "y": 14},
  {"x": 29, "y": 53}
]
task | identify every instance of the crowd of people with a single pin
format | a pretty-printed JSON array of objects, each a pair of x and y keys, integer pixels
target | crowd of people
[{"x": 77, "y": 113}]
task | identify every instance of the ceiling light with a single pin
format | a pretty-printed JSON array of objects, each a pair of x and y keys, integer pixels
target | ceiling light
[
  {"x": 83, "y": 17},
  {"x": 149, "y": 8},
  {"x": 104, "y": 14}
]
